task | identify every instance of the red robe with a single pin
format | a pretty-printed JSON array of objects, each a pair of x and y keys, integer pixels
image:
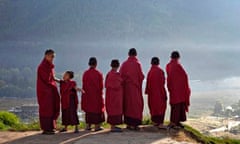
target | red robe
[
  {"x": 92, "y": 99},
  {"x": 177, "y": 83},
  {"x": 67, "y": 88},
  {"x": 47, "y": 95},
  {"x": 131, "y": 72},
  {"x": 114, "y": 93},
  {"x": 155, "y": 89}
]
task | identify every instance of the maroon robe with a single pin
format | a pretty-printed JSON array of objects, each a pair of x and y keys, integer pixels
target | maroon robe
[
  {"x": 157, "y": 97},
  {"x": 92, "y": 100},
  {"x": 114, "y": 97},
  {"x": 69, "y": 102},
  {"x": 179, "y": 90},
  {"x": 131, "y": 72},
  {"x": 47, "y": 95}
]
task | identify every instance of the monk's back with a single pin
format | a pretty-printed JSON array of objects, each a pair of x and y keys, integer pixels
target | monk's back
[{"x": 92, "y": 100}]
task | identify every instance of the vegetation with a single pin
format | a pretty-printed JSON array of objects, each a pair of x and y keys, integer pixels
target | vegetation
[
  {"x": 20, "y": 82},
  {"x": 16, "y": 82},
  {"x": 208, "y": 140},
  {"x": 9, "y": 121}
]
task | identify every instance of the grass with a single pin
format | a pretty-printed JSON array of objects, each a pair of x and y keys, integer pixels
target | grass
[{"x": 207, "y": 139}]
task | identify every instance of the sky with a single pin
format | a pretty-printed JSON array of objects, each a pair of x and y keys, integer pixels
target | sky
[{"x": 206, "y": 33}]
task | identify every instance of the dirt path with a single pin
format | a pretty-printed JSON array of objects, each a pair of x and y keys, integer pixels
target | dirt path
[{"x": 149, "y": 135}]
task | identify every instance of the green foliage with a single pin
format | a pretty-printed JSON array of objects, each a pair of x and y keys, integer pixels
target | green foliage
[
  {"x": 146, "y": 121},
  {"x": 2, "y": 126},
  {"x": 208, "y": 140},
  {"x": 8, "y": 119}
]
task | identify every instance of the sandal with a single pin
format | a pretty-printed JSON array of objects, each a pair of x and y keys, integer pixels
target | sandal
[
  {"x": 63, "y": 130},
  {"x": 98, "y": 129},
  {"x": 116, "y": 129}
]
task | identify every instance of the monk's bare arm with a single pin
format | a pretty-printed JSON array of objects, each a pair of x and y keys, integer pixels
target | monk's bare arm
[
  {"x": 80, "y": 90},
  {"x": 57, "y": 80}
]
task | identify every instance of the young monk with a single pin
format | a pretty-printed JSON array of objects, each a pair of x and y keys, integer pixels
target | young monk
[
  {"x": 157, "y": 97},
  {"x": 131, "y": 72},
  {"x": 179, "y": 90},
  {"x": 92, "y": 100},
  {"x": 69, "y": 101},
  {"x": 47, "y": 94},
  {"x": 114, "y": 97}
]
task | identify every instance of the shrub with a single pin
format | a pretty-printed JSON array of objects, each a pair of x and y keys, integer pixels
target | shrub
[
  {"x": 2, "y": 126},
  {"x": 8, "y": 119}
]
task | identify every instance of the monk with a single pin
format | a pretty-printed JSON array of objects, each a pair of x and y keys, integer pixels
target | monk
[
  {"x": 131, "y": 72},
  {"x": 114, "y": 97},
  {"x": 47, "y": 94},
  {"x": 69, "y": 101},
  {"x": 179, "y": 90},
  {"x": 157, "y": 97},
  {"x": 92, "y": 100}
]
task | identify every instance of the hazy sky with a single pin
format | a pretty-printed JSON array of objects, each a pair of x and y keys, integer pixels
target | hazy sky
[{"x": 206, "y": 32}]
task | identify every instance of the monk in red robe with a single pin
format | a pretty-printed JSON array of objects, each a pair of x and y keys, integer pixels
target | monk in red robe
[
  {"x": 179, "y": 90},
  {"x": 92, "y": 100},
  {"x": 114, "y": 97},
  {"x": 157, "y": 97},
  {"x": 47, "y": 94},
  {"x": 69, "y": 101},
  {"x": 131, "y": 72}
]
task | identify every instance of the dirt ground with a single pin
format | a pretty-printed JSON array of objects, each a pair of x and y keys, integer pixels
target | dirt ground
[{"x": 148, "y": 135}]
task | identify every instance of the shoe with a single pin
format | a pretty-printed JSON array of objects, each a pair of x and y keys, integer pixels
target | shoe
[
  {"x": 162, "y": 127},
  {"x": 98, "y": 129},
  {"x": 76, "y": 131},
  {"x": 63, "y": 130},
  {"x": 48, "y": 132},
  {"x": 133, "y": 128},
  {"x": 180, "y": 125},
  {"x": 116, "y": 129},
  {"x": 88, "y": 129},
  {"x": 170, "y": 126}
]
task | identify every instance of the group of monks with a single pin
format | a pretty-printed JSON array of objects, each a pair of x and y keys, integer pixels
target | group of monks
[{"x": 123, "y": 96}]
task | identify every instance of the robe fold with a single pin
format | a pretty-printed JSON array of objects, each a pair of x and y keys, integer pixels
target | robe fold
[
  {"x": 47, "y": 96},
  {"x": 69, "y": 102},
  {"x": 131, "y": 72},
  {"x": 179, "y": 90},
  {"x": 114, "y": 97},
  {"x": 157, "y": 97},
  {"x": 92, "y": 100}
]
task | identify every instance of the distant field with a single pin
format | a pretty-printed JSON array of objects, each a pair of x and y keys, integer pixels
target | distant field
[
  {"x": 8, "y": 103},
  {"x": 202, "y": 103}
]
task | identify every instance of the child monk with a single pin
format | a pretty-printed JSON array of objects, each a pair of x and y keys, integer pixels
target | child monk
[
  {"x": 114, "y": 97},
  {"x": 92, "y": 100},
  {"x": 157, "y": 97},
  {"x": 69, "y": 101}
]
